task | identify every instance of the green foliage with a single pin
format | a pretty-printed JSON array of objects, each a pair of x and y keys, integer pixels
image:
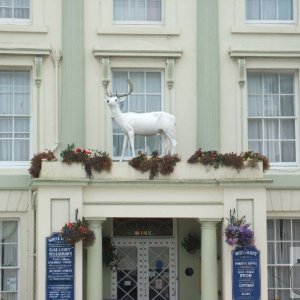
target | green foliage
[
  {"x": 164, "y": 165},
  {"x": 36, "y": 163},
  {"x": 238, "y": 162},
  {"x": 90, "y": 159}
]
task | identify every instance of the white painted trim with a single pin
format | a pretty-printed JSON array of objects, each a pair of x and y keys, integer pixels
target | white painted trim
[{"x": 102, "y": 52}]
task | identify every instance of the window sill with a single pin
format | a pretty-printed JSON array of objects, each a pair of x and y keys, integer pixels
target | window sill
[
  {"x": 138, "y": 30},
  {"x": 266, "y": 29},
  {"x": 23, "y": 28}
]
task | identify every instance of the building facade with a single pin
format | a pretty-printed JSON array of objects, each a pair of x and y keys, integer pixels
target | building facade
[{"x": 227, "y": 70}]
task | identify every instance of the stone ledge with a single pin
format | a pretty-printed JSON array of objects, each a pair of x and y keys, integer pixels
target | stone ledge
[{"x": 122, "y": 171}]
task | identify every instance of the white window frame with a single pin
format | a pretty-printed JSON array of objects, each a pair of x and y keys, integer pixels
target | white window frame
[
  {"x": 18, "y": 291},
  {"x": 277, "y": 241},
  {"x": 23, "y": 163},
  {"x": 141, "y": 22},
  {"x": 145, "y": 70},
  {"x": 282, "y": 165},
  {"x": 168, "y": 26},
  {"x": 258, "y": 21},
  {"x": 241, "y": 25},
  {"x": 18, "y": 21}
]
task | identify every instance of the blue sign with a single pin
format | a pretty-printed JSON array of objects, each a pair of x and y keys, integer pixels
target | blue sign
[
  {"x": 246, "y": 273},
  {"x": 59, "y": 269}
]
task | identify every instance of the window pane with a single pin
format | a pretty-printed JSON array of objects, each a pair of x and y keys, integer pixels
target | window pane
[
  {"x": 255, "y": 129},
  {"x": 271, "y": 105},
  {"x": 6, "y": 125},
  {"x": 253, "y": 10},
  {"x": 283, "y": 275},
  {"x": 9, "y": 231},
  {"x": 271, "y": 253},
  {"x": 283, "y": 252},
  {"x": 153, "y": 82},
  {"x": 271, "y": 277},
  {"x": 272, "y": 151},
  {"x": 287, "y": 105},
  {"x": 21, "y": 151},
  {"x": 271, "y": 82},
  {"x": 254, "y": 83},
  {"x": 5, "y": 150},
  {"x": 284, "y": 294},
  {"x": 269, "y": 10},
  {"x": 270, "y": 230},
  {"x": 137, "y": 10},
  {"x": 296, "y": 230},
  {"x": 153, "y": 103},
  {"x": 10, "y": 281},
  {"x": 138, "y": 80},
  {"x": 286, "y": 84},
  {"x": 153, "y": 143},
  {"x": 271, "y": 129},
  {"x": 285, "y": 9},
  {"x": 255, "y": 146},
  {"x": 154, "y": 10},
  {"x": 21, "y": 104},
  {"x": 255, "y": 106},
  {"x": 283, "y": 230},
  {"x": 287, "y": 129},
  {"x": 288, "y": 151},
  {"x": 121, "y": 10},
  {"x": 137, "y": 103}
]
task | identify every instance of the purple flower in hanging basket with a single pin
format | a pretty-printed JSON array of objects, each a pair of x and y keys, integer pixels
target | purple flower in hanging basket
[{"x": 238, "y": 232}]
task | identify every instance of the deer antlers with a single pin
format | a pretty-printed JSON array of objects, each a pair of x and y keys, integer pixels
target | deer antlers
[{"x": 109, "y": 94}]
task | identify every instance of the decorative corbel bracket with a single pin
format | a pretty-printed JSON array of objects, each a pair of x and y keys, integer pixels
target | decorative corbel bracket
[
  {"x": 38, "y": 71},
  {"x": 105, "y": 71},
  {"x": 242, "y": 71},
  {"x": 170, "y": 62}
]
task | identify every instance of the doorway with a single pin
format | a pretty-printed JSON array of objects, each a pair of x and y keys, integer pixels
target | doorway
[{"x": 147, "y": 269}]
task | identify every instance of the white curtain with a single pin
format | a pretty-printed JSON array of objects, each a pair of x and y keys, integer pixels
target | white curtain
[
  {"x": 18, "y": 9},
  {"x": 146, "y": 97},
  {"x": 14, "y": 115},
  {"x": 137, "y": 10},
  {"x": 271, "y": 122},
  {"x": 281, "y": 237},
  {"x": 9, "y": 258},
  {"x": 269, "y": 10}
]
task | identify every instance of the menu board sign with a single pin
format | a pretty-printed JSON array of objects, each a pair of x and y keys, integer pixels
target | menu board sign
[
  {"x": 59, "y": 269},
  {"x": 246, "y": 273}
]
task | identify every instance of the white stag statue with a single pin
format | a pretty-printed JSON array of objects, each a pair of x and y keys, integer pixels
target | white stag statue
[{"x": 145, "y": 124}]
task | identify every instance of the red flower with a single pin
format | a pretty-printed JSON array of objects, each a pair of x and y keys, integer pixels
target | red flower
[
  {"x": 77, "y": 150},
  {"x": 70, "y": 225}
]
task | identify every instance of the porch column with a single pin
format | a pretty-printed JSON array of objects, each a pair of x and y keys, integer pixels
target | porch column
[
  {"x": 94, "y": 261},
  {"x": 209, "y": 268}
]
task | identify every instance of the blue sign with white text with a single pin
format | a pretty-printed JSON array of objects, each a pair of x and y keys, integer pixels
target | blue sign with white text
[
  {"x": 59, "y": 269},
  {"x": 246, "y": 273}
]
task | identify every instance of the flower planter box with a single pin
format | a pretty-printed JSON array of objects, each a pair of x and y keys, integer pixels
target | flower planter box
[{"x": 122, "y": 171}]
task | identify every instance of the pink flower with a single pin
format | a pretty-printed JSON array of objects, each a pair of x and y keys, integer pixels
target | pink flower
[
  {"x": 77, "y": 150},
  {"x": 88, "y": 152}
]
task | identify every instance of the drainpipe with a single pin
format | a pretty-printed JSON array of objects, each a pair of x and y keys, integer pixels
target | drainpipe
[{"x": 32, "y": 251}]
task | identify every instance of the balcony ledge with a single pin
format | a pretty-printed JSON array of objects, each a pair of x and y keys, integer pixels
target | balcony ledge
[{"x": 122, "y": 171}]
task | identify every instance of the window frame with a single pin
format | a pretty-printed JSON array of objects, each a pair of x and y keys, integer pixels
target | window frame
[
  {"x": 275, "y": 242},
  {"x": 18, "y": 21},
  {"x": 139, "y": 22},
  {"x": 17, "y": 267},
  {"x": 271, "y": 21},
  {"x": 22, "y": 163},
  {"x": 279, "y": 165},
  {"x": 162, "y": 104}
]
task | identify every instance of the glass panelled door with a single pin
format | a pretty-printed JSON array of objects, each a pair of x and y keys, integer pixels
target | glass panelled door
[{"x": 147, "y": 270}]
